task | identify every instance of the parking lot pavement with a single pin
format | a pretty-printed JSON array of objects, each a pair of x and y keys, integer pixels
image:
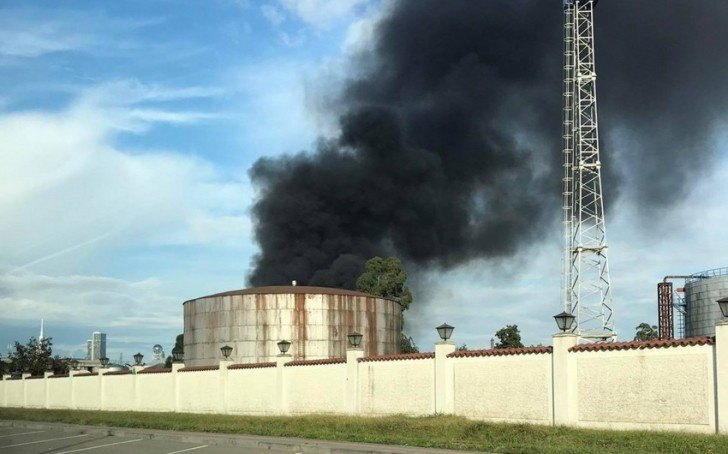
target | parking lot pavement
[
  {"x": 25, "y": 437},
  {"x": 65, "y": 440}
]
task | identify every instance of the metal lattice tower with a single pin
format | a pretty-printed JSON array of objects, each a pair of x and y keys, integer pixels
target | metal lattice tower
[{"x": 586, "y": 285}]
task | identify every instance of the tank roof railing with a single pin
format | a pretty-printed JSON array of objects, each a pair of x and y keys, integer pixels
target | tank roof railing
[{"x": 707, "y": 274}]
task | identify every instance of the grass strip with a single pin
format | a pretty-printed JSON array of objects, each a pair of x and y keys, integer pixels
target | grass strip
[{"x": 448, "y": 432}]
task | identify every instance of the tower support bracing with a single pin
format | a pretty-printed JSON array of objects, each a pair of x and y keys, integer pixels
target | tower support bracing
[{"x": 586, "y": 285}]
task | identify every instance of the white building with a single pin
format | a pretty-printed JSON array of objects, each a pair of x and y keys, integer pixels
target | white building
[{"x": 96, "y": 346}]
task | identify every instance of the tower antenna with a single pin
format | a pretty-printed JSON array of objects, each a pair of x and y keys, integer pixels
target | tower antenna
[{"x": 586, "y": 287}]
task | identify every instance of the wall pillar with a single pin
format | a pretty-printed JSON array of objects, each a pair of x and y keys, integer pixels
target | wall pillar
[
  {"x": 223, "y": 388},
  {"x": 352, "y": 379},
  {"x": 721, "y": 376},
  {"x": 175, "y": 371},
  {"x": 102, "y": 388},
  {"x": 564, "y": 379},
  {"x": 4, "y": 397},
  {"x": 444, "y": 393},
  {"x": 281, "y": 390},
  {"x": 45, "y": 387}
]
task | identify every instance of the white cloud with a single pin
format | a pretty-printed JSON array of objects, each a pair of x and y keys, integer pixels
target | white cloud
[
  {"x": 297, "y": 39},
  {"x": 43, "y": 40},
  {"x": 360, "y": 34},
  {"x": 271, "y": 97},
  {"x": 321, "y": 13},
  {"x": 33, "y": 33},
  {"x": 65, "y": 183},
  {"x": 84, "y": 300},
  {"x": 272, "y": 14}
]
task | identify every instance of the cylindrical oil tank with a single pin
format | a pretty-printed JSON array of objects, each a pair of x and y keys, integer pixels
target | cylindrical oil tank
[
  {"x": 702, "y": 290},
  {"x": 316, "y": 320}
]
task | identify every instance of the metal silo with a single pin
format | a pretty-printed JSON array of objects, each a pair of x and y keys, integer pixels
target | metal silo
[
  {"x": 702, "y": 290},
  {"x": 316, "y": 320}
]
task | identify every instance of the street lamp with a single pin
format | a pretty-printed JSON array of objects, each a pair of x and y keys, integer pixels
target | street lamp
[
  {"x": 723, "y": 304},
  {"x": 178, "y": 356},
  {"x": 283, "y": 346},
  {"x": 104, "y": 361},
  {"x": 445, "y": 331},
  {"x": 564, "y": 321},
  {"x": 138, "y": 359},
  {"x": 355, "y": 339},
  {"x": 226, "y": 350}
]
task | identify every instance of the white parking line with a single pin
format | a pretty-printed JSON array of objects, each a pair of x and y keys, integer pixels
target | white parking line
[
  {"x": 102, "y": 446},
  {"x": 41, "y": 441},
  {"x": 190, "y": 449},
  {"x": 23, "y": 433}
]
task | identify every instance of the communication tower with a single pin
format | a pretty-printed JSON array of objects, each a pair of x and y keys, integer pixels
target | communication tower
[{"x": 586, "y": 286}]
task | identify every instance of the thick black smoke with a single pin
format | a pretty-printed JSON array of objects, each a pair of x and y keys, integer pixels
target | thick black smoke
[{"x": 450, "y": 140}]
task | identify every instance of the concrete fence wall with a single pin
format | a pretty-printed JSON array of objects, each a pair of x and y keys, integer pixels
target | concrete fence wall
[{"x": 663, "y": 385}]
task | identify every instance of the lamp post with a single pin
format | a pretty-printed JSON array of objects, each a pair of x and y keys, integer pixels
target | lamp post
[
  {"x": 564, "y": 321},
  {"x": 283, "y": 346},
  {"x": 104, "y": 362},
  {"x": 445, "y": 331},
  {"x": 138, "y": 359},
  {"x": 226, "y": 350},
  {"x": 178, "y": 356},
  {"x": 355, "y": 339},
  {"x": 723, "y": 304}
]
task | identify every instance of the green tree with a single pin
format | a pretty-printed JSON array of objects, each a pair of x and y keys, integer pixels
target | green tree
[
  {"x": 33, "y": 357},
  {"x": 60, "y": 366},
  {"x": 508, "y": 337},
  {"x": 646, "y": 332},
  {"x": 385, "y": 277},
  {"x": 407, "y": 345},
  {"x": 179, "y": 346},
  {"x": 4, "y": 365}
]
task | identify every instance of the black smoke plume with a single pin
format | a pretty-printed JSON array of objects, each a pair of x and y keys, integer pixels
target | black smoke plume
[{"x": 451, "y": 131}]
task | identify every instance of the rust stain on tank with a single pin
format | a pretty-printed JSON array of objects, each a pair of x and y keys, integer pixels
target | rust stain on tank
[
  {"x": 371, "y": 311},
  {"x": 300, "y": 323}
]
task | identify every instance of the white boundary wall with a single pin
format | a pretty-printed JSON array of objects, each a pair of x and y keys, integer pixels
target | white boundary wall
[{"x": 677, "y": 385}]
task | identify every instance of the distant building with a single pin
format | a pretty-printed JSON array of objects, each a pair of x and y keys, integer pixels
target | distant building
[{"x": 96, "y": 346}]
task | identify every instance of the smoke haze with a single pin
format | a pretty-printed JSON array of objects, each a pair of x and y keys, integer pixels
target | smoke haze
[{"x": 450, "y": 135}]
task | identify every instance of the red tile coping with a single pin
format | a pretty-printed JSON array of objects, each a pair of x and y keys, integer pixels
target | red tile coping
[
  {"x": 640, "y": 345},
  {"x": 87, "y": 374},
  {"x": 315, "y": 362},
  {"x": 33, "y": 377},
  {"x": 501, "y": 352},
  {"x": 199, "y": 368},
  {"x": 397, "y": 357},
  {"x": 155, "y": 370},
  {"x": 252, "y": 365},
  {"x": 118, "y": 372},
  {"x": 59, "y": 376}
]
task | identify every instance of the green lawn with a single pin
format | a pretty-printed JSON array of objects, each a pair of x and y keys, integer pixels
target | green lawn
[{"x": 434, "y": 431}]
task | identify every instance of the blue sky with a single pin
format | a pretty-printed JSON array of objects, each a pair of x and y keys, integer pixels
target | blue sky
[{"x": 126, "y": 132}]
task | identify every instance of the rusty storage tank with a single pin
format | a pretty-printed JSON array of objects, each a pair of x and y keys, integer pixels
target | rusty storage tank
[
  {"x": 316, "y": 320},
  {"x": 702, "y": 290}
]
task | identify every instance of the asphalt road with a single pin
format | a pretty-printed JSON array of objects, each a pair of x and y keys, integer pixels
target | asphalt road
[{"x": 25, "y": 437}]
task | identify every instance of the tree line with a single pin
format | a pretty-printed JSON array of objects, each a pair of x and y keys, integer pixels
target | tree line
[{"x": 35, "y": 358}]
